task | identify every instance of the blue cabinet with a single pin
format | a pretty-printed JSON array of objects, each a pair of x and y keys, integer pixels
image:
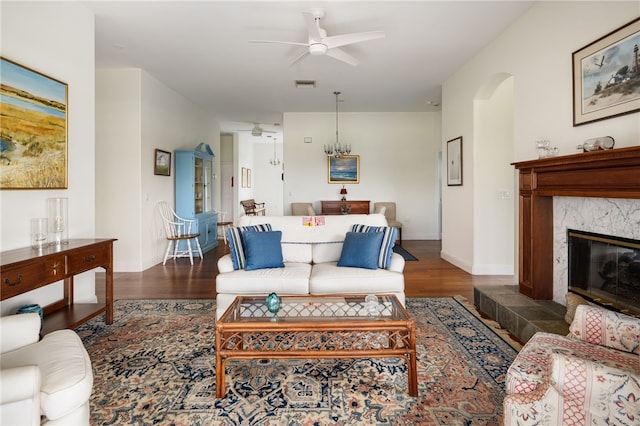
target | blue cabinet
[{"x": 194, "y": 192}]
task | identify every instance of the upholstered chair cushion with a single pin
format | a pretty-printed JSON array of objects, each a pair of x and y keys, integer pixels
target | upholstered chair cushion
[
  {"x": 603, "y": 327},
  {"x": 66, "y": 376}
]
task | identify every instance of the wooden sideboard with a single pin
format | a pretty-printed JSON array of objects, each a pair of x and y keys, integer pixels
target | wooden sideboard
[
  {"x": 339, "y": 207},
  {"x": 606, "y": 174},
  {"x": 27, "y": 269}
]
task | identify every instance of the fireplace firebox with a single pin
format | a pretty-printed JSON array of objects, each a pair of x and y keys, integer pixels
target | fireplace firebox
[{"x": 605, "y": 269}]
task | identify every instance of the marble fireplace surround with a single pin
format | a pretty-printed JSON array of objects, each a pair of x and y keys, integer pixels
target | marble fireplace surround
[
  {"x": 595, "y": 191},
  {"x": 607, "y": 216}
]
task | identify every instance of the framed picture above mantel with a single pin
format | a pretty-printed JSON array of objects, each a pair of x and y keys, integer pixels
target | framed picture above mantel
[{"x": 606, "y": 76}]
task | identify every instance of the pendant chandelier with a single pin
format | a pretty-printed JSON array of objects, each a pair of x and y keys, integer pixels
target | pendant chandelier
[
  {"x": 337, "y": 150},
  {"x": 275, "y": 160}
]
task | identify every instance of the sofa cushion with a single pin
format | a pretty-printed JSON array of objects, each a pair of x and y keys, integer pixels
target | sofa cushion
[
  {"x": 361, "y": 250},
  {"x": 292, "y": 279},
  {"x": 236, "y": 246},
  {"x": 326, "y": 278},
  {"x": 262, "y": 250},
  {"x": 388, "y": 241},
  {"x": 297, "y": 252}
]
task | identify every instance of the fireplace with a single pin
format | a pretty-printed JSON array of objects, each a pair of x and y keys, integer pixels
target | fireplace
[
  {"x": 610, "y": 174},
  {"x": 605, "y": 269}
]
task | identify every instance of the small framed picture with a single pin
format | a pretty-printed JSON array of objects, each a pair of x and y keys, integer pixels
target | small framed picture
[
  {"x": 606, "y": 77},
  {"x": 248, "y": 178},
  {"x": 345, "y": 169},
  {"x": 244, "y": 177},
  {"x": 162, "y": 163},
  {"x": 454, "y": 162}
]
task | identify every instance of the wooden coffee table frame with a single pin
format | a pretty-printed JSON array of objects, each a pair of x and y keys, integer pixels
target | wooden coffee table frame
[{"x": 256, "y": 335}]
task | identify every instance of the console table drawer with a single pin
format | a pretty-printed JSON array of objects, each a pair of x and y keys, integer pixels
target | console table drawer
[
  {"x": 85, "y": 260},
  {"x": 22, "y": 279}
]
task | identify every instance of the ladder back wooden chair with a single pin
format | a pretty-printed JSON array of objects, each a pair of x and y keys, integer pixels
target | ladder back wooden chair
[
  {"x": 178, "y": 229},
  {"x": 251, "y": 208}
]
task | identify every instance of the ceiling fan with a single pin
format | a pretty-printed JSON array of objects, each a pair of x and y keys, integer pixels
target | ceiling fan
[
  {"x": 257, "y": 130},
  {"x": 318, "y": 43}
]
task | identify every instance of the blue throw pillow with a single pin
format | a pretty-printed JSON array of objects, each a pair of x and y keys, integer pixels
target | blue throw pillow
[
  {"x": 361, "y": 250},
  {"x": 262, "y": 250},
  {"x": 236, "y": 246},
  {"x": 388, "y": 241}
]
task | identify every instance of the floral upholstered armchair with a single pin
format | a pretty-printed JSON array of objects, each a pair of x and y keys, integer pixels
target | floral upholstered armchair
[{"x": 591, "y": 376}]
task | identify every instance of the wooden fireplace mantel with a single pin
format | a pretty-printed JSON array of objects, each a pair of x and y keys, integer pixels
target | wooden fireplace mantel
[{"x": 604, "y": 174}]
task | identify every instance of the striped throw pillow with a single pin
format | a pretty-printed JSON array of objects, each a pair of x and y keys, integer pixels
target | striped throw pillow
[
  {"x": 236, "y": 243},
  {"x": 388, "y": 241}
]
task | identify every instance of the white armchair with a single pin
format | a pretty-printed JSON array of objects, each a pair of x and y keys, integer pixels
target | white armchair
[{"x": 44, "y": 381}]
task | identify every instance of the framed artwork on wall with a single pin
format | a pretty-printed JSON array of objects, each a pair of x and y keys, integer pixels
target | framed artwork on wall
[
  {"x": 244, "y": 177},
  {"x": 34, "y": 139},
  {"x": 162, "y": 163},
  {"x": 248, "y": 178},
  {"x": 606, "y": 76},
  {"x": 454, "y": 162},
  {"x": 345, "y": 169}
]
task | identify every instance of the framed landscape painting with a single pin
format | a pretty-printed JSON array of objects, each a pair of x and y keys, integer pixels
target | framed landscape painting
[
  {"x": 345, "y": 169},
  {"x": 606, "y": 76},
  {"x": 33, "y": 141}
]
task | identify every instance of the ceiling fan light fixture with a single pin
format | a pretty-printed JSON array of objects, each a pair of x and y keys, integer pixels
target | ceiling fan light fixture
[{"x": 318, "y": 49}]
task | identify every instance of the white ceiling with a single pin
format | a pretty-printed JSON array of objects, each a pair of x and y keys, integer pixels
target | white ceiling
[{"x": 201, "y": 50}]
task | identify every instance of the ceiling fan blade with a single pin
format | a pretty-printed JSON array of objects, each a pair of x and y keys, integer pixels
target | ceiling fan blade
[
  {"x": 299, "y": 57},
  {"x": 343, "y": 56},
  {"x": 279, "y": 42},
  {"x": 312, "y": 26},
  {"x": 343, "y": 40}
]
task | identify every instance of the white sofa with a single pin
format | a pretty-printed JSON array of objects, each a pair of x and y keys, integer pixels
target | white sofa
[
  {"x": 51, "y": 377},
  {"x": 310, "y": 255}
]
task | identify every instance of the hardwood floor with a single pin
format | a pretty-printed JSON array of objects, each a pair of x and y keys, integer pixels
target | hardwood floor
[{"x": 430, "y": 276}]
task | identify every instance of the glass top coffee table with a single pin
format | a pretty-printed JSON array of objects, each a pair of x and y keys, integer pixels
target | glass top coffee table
[{"x": 336, "y": 326}]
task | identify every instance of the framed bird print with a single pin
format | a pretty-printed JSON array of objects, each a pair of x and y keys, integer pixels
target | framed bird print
[{"x": 606, "y": 76}]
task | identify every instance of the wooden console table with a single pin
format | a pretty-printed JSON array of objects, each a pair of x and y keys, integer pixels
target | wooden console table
[
  {"x": 336, "y": 207},
  {"x": 27, "y": 269}
]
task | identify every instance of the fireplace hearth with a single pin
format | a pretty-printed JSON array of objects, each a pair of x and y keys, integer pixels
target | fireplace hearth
[{"x": 605, "y": 270}]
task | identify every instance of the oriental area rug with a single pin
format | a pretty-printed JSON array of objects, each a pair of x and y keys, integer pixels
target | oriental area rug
[{"x": 156, "y": 365}]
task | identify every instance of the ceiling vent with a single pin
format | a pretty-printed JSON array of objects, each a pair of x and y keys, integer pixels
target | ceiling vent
[{"x": 309, "y": 84}]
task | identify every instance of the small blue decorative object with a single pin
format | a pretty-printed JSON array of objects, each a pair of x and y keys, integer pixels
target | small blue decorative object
[
  {"x": 273, "y": 303},
  {"x": 32, "y": 308}
]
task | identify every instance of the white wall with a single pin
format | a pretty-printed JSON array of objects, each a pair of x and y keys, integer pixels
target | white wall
[
  {"x": 536, "y": 50},
  {"x": 398, "y": 162},
  {"x": 267, "y": 179},
  {"x": 56, "y": 40},
  {"x": 118, "y": 150},
  {"x": 493, "y": 176},
  {"x": 137, "y": 114}
]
